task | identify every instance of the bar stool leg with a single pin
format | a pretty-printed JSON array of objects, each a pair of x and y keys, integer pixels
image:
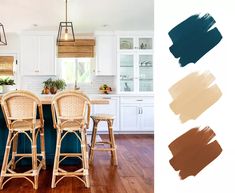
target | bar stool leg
[
  {"x": 14, "y": 150},
  {"x": 5, "y": 159},
  {"x": 56, "y": 159},
  {"x": 85, "y": 158},
  {"x": 42, "y": 143},
  {"x": 112, "y": 140},
  {"x": 34, "y": 158},
  {"x": 93, "y": 140}
]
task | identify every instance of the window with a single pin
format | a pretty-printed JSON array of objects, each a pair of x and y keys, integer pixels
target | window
[
  {"x": 76, "y": 70},
  {"x": 8, "y": 68}
]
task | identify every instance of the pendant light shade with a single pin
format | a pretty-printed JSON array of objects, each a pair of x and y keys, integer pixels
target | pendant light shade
[
  {"x": 3, "y": 40},
  {"x": 65, "y": 32}
]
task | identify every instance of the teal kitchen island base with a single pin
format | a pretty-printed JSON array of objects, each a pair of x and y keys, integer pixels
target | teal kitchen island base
[{"x": 70, "y": 142}]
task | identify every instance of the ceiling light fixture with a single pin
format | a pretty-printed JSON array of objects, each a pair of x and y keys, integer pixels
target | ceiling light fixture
[
  {"x": 65, "y": 32},
  {"x": 3, "y": 40}
]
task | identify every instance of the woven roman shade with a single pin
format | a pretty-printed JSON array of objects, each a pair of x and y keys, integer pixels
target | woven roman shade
[
  {"x": 6, "y": 65},
  {"x": 81, "y": 48}
]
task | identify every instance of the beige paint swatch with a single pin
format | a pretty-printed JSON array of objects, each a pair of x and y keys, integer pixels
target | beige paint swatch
[
  {"x": 193, "y": 151},
  {"x": 193, "y": 95}
]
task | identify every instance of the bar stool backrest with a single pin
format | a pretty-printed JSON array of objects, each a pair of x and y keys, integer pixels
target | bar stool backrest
[
  {"x": 21, "y": 106},
  {"x": 70, "y": 106}
]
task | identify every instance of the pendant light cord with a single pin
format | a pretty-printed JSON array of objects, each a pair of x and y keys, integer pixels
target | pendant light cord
[{"x": 66, "y": 10}]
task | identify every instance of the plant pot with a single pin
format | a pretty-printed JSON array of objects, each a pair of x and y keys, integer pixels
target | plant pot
[
  {"x": 7, "y": 88},
  {"x": 46, "y": 90},
  {"x": 53, "y": 90}
]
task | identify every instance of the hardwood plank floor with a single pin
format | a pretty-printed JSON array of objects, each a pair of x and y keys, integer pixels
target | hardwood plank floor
[{"x": 134, "y": 174}]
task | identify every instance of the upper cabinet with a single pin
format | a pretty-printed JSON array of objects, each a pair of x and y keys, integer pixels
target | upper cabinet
[
  {"x": 105, "y": 54},
  {"x": 135, "y": 43},
  {"x": 135, "y": 63},
  {"x": 38, "y": 54}
]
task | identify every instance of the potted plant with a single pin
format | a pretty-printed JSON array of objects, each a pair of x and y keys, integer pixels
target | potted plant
[
  {"x": 7, "y": 84},
  {"x": 53, "y": 86},
  {"x": 47, "y": 85},
  {"x": 60, "y": 84}
]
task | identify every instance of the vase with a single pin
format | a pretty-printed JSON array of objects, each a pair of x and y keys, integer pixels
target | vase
[
  {"x": 7, "y": 88},
  {"x": 53, "y": 90}
]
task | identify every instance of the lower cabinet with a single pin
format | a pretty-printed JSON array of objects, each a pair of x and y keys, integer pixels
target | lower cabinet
[
  {"x": 111, "y": 108},
  {"x": 137, "y": 114},
  {"x": 132, "y": 114}
]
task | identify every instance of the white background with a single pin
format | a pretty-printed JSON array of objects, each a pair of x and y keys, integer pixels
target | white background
[{"x": 218, "y": 176}]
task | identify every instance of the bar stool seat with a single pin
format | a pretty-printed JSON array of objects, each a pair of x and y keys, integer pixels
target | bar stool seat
[
  {"x": 102, "y": 116},
  {"x": 113, "y": 149},
  {"x": 24, "y": 125}
]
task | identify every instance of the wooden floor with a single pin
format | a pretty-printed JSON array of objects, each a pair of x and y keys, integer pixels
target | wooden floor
[{"x": 134, "y": 174}]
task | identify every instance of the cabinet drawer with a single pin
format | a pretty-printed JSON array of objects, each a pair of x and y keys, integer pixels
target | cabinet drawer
[{"x": 141, "y": 99}]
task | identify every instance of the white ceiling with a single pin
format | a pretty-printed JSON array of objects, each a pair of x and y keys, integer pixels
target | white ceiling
[{"x": 86, "y": 15}]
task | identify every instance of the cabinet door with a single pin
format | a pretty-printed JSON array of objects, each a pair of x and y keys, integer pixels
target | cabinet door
[
  {"x": 145, "y": 72},
  {"x": 105, "y": 55},
  {"x": 147, "y": 117},
  {"x": 145, "y": 43},
  {"x": 127, "y": 72},
  {"x": 130, "y": 117},
  {"x": 111, "y": 108},
  {"x": 47, "y": 55},
  {"x": 29, "y": 55},
  {"x": 126, "y": 43}
]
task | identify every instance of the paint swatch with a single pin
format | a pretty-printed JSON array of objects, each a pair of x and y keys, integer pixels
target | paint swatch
[
  {"x": 193, "y": 38},
  {"x": 193, "y": 151},
  {"x": 193, "y": 95}
]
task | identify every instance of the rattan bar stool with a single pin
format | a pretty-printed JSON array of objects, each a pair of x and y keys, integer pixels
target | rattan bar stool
[
  {"x": 109, "y": 119},
  {"x": 20, "y": 112},
  {"x": 71, "y": 114}
]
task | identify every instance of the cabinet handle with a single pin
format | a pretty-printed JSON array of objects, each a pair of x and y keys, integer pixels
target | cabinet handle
[
  {"x": 139, "y": 100},
  {"x": 141, "y": 110},
  {"x": 36, "y": 71}
]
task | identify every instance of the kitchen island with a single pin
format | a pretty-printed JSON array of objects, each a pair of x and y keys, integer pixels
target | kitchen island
[{"x": 70, "y": 143}]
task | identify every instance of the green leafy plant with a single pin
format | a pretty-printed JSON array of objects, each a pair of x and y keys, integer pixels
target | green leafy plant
[
  {"x": 60, "y": 84},
  {"x": 7, "y": 81},
  {"x": 48, "y": 83},
  {"x": 53, "y": 85}
]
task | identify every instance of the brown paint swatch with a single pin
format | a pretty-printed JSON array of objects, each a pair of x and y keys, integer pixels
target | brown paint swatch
[
  {"x": 193, "y": 95},
  {"x": 193, "y": 151}
]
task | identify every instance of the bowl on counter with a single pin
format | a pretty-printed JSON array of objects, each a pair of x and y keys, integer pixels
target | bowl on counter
[{"x": 105, "y": 91}]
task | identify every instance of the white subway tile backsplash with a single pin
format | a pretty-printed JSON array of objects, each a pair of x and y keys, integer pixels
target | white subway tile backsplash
[{"x": 35, "y": 83}]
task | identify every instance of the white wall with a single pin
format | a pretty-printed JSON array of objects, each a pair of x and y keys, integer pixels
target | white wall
[
  {"x": 219, "y": 175},
  {"x": 13, "y": 43}
]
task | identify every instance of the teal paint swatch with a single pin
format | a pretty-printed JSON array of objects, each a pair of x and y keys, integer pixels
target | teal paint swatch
[{"x": 193, "y": 38}]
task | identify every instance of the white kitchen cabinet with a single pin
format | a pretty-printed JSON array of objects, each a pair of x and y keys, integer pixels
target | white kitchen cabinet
[
  {"x": 105, "y": 54},
  {"x": 111, "y": 108},
  {"x": 38, "y": 54},
  {"x": 137, "y": 114},
  {"x": 135, "y": 63}
]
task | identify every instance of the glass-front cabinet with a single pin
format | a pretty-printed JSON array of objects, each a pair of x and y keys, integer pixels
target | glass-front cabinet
[
  {"x": 145, "y": 72},
  {"x": 133, "y": 43},
  {"x": 127, "y": 72},
  {"x": 135, "y": 64}
]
